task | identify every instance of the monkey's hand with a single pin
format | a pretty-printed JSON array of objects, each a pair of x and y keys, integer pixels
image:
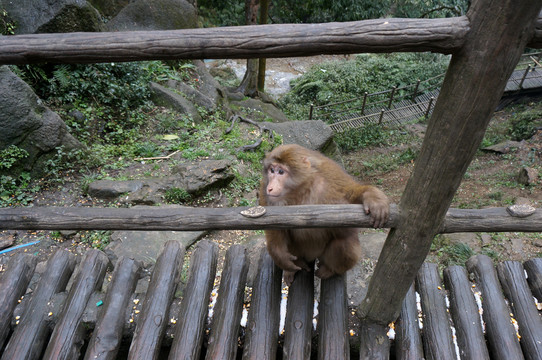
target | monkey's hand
[
  {"x": 290, "y": 262},
  {"x": 289, "y": 276},
  {"x": 378, "y": 206}
]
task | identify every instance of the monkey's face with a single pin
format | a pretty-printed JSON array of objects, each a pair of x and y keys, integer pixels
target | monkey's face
[{"x": 278, "y": 177}]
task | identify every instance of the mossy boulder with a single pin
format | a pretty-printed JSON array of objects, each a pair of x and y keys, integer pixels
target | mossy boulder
[
  {"x": 155, "y": 15},
  {"x": 30, "y": 125},
  {"x": 52, "y": 16}
]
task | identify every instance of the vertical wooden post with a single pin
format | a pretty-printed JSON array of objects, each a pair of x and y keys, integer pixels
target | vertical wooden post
[
  {"x": 392, "y": 95},
  {"x": 416, "y": 90},
  {"x": 364, "y": 102},
  {"x": 474, "y": 83},
  {"x": 429, "y": 107},
  {"x": 524, "y": 76},
  {"x": 311, "y": 111}
]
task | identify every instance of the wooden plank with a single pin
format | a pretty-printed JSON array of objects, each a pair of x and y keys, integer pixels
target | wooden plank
[
  {"x": 299, "y": 311},
  {"x": 453, "y": 136},
  {"x": 107, "y": 335},
  {"x": 375, "y": 344},
  {"x": 333, "y": 336},
  {"x": 13, "y": 285},
  {"x": 276, "y": 217},
  {"x": 408, "y": 341},
  {"x": 533, "y": 268},
  {"x": 190, "y": 327},
  {"x": 69, "y": 332},
  {"x": 227, "y": 315},
  {"x": 32, "y": 333},
  {"x": 437, "y": 334},
  {"x": 288, "y": 40},
  {"x": 465, "y": 314},
  {"x": 262, "y": 331},
  {"x": 516, "y": 289},
  {"x": 500, "y": 333},
  {"x": 153, "y": 319}
]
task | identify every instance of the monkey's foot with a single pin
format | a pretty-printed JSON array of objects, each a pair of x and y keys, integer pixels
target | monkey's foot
[
  {"x": 324, "y": 272},
  {"x": 289, "y": 277}
]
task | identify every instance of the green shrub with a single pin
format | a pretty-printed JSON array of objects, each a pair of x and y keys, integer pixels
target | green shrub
[
  {"x": 147, "y": 149},
  {"x": 369, "y": 135},
  {"x": 524, "y": 124},
  {"x": 343, "y": 80},
  {"x": 7, "y": 24},
  {"x": 99, "y": 102},
  {"x": 97, "y": 239},
  {"x": 14, "y": 189},
  {"x": 10, "y": 156},
  {"x": 177, "y": 196}
]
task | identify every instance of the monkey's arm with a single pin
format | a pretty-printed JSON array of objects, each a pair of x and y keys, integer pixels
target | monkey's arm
[
  {"x": 278, "y": 249},
  {"x": 374, "y": 201}
]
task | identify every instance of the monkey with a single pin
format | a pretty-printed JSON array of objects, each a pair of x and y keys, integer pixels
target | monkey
[{"x": 294, "y": 175}]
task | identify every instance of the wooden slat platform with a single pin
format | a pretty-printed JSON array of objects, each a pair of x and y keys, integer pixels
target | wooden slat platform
[{"x": 489, "y": 314}]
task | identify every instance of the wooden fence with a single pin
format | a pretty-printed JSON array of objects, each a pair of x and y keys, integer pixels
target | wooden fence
[{"x": 485, "y": 44}]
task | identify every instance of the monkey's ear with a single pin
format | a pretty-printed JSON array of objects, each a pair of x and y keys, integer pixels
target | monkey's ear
[{"x": 307, "y": 161}]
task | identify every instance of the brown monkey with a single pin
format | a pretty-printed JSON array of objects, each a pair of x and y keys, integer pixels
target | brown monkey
[{"x": 294, "y": 175}]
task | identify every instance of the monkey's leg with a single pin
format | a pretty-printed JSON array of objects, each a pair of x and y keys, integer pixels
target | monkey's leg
[{"x": 340, "y": 255}]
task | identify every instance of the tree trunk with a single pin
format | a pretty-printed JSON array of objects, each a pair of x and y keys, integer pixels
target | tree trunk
[
  {"x": 474, "y": 83},
  {"x": 264, "y": 14},
  {"x": 249, "y": 84}
]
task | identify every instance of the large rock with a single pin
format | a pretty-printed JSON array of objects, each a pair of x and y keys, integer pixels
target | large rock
[
  {"x": 109, "y": 8},
  {"x": 528, "y": 176},
  {"x": 192, "y": 94},
  {"x": 145, "y": 246},
  {"x": 312, "y": 134},
  {"x": 167, "y": 97},
  {"x": 28, "y": 124},
  {"x": 51, "y": 16},
  {"x": 155, "y": 15},
  {"x": 194, "y": 177},
  {"x": 258, "y": 110},
  {"x": 207, "y": 83}
]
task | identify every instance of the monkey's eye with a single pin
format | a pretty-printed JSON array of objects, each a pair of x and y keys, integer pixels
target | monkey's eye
[{"x": 281, "y": 172}]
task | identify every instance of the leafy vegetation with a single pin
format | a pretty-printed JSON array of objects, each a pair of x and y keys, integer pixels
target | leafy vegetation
[
  {"x": 98, "y": 239},
  {"x": 521, "y": 125},
  {"x": 99, "y": 102},
  {"x": 177, "y": 196},
  {"x": 457, "y": 253},
  {"x": 7, "y": 25},
  {"x": 370, "y": 135},
  {"x": 14, "y": 190},
  {"x": 220, "y": 13},
  {"x": 339, "y": 81},
  {"x": 525, "y": 123}
]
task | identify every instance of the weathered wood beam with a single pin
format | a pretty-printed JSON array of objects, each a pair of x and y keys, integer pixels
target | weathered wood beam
[
  {"x": 276, "y": 217},
  {"x": 256, "y": 41},
  {"x": 474, "y": 83}
]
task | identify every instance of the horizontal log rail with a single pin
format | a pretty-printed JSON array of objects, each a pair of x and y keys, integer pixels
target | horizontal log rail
[
  {"x": 287, "y": 40},
  {"x": 275, "y": 217},
  {"x": 271, "y": 41}
]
